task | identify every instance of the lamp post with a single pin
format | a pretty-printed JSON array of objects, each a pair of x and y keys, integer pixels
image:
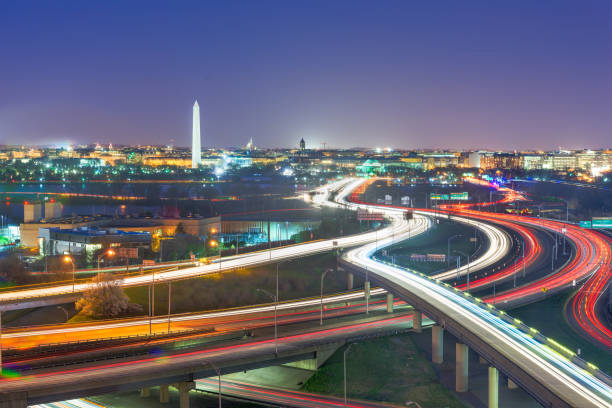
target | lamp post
[
  {"x": 169, "y": 303},
  {"x": 524, "y": 266},
  {"x": 110, "y": 252},
  {"x": 344, "y": 364},
  {"x": 218, "y": 371},
  {"x": 67, "y": 259},
  {"x": 214, "y": 244},
  {"x": 322, "y": 277},
  {"x": 468, "y": 268},
  {"x": 151, "y": 302},
  {"x": 366, "y": 291},
  {"x": 275, "y": 299},
  {"x": 448, "y": 251}
]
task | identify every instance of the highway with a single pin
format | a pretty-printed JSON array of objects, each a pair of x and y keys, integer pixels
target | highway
[
  {"x": 498, "y": 248},
  {"x": 586, "y": 310},
  {"x": 590, "y": 268},
  {"x": 62, "y": 383},
  {"x": 284, "y": 398},
  {"x": 73, "y": 403},
  {"x": 574, "y": 385},
  {"x": 571, "y": 383},
  {"x": 499, "y": 242},
  {"x": 418, "y": 225},
  {"x": 222, "y": 320},
  {"x": 591, "y": 264}
]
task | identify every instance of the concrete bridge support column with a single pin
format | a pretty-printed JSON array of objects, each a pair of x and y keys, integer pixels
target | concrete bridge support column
[
  {"x": 461, "y": 367},
  {"x": 493, "y": 387},
  {"x": 145, "y": 392},
  {"x": 163, "y": 394},
  {"x": 350, "y": 279},
  {"x": 512, "y": 385},
  {"x": 417, "y": 321},
  {"x": 184, "y": 388},
  {"x": 389, "y": 302},
  {"x": 437, "y": 344}
]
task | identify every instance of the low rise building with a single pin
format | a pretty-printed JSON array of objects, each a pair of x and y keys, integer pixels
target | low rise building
[{"x": 87, "y": 240}]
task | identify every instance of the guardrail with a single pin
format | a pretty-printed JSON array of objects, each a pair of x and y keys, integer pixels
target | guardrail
[
  {"x": 529, "y": 331},
  {"x": 121, "y": 350}
]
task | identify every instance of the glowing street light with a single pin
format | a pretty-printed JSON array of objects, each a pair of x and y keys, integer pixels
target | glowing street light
[
  {"x": 109, "y": 253},
  {"x": 214, "y": 244},
  {"x": 68, "y": 258}
]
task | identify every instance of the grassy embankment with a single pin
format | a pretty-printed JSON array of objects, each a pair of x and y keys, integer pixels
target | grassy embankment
[
  {"x": 297, "y": 279},
  {"x": 390, "y": 369},
  {"x": 548, "y": 317}
]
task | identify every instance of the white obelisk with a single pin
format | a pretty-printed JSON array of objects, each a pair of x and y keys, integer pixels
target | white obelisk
[{"x": 196, "y": 150}]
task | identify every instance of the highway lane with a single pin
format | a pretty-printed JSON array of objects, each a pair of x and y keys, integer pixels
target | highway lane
[
  {"x": 282, "y": 397},
  {"x": 246, "y": 392},
  {"x": 576, "y": 386},
  {"x": 586, "y": 309},
  {"x": 499, "y": 241},
  {"x": 73, "y": 403},
  {"x": 573, "y": 384},
  {"x": 591, "y": 263},
  {"x": 220, "y": 320},
  {"x": 104, "y": 376},
  {"x": 416, "y": 226},
  {"x": 421, "y": 222}
]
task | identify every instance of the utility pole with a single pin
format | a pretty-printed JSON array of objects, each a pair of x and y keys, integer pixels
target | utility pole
[
  {"x": 523, "y": 259},
  {"x": 467, "y": 270},
  {"x": 494, "y": 293},
  {"x": 344, "y": 365},
  {"x": 322, "y": 277},
  {"x": 275, "y": 299},
  {"x": 169, "y": 303},
  {"x": 448, "y": 250}
]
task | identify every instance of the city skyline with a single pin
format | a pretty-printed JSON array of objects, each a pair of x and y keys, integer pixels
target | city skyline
[{"x": 525, "y": 76}]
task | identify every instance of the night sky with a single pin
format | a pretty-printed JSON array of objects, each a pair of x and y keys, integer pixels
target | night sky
[{"x": 405, "y": 74}]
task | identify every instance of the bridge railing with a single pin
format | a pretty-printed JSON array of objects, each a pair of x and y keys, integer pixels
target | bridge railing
[{"x": 525, "y": 329}]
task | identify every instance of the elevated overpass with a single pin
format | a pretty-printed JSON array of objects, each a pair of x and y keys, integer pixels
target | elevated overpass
[
  {"x": 551, "y": 375},
  {"x": 184, "y": 366}
]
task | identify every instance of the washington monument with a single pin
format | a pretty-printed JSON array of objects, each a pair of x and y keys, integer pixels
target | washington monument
[{"x": 196, "y": 150}]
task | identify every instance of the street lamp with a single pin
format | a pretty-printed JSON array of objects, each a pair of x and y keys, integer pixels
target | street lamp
[
  {"x": 110, "y": 252},
  {"x": 275, "y": 299},
  {"x": 468, "y": 268},
  {"x": 366, "y": 291},
  {"x": 214, "y": 244},
  {"x": 218, "y": 375},
  {"x": 448, "y": 251},
  {"x": 344, "y": 363},
  {"x": 322, "y": 277},
  {"x": 67, "y": 259}
]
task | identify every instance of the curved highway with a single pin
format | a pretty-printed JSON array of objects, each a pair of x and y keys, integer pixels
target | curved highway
[{"x": 569, "y": 383}]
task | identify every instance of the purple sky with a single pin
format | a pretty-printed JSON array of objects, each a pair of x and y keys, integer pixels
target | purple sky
[{"x": 406, "y": 74}]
